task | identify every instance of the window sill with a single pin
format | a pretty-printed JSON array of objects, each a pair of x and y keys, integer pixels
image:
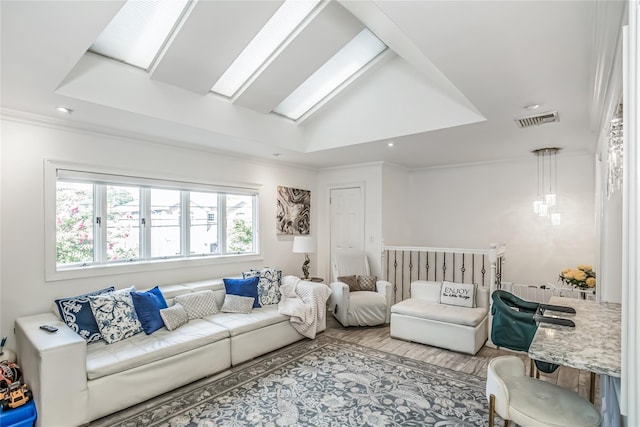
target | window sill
[{"x": 145, "y": 266}]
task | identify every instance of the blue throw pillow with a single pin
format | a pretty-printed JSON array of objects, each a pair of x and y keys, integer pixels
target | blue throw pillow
[
  {"x": 244, "y": 288},
  {"x": 148, "y": 305},
  {"x": 76, "y": 313}
]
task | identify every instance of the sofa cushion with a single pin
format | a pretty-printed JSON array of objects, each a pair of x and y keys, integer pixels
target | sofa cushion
[
  {"x": 171, "y": 291},
  {"x": 142, "y": 349},
  {"x": 240, "y": 323},
  {"x": 426, "y": 289},
  {"x": 76, "y": 313},
  {"x": 244, "y": 288},
  {"x": 198, "y": 304},
  {"x": 424, "y": 309},
  {"x": 148, "y": 305},
  {"x": 367, "y": 308},
  {"x": 115, "y": 315}
]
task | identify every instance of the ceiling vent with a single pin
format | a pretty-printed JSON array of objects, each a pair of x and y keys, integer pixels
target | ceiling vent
[{"x": 538, "y": 119}]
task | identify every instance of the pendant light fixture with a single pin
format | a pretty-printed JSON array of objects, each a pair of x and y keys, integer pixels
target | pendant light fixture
[
  {"x": 615, "y": 155},
  {"x": 545, "y": 204}
]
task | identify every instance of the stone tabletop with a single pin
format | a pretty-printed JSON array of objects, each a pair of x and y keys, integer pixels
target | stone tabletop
[{"x": 593, "y": 345}]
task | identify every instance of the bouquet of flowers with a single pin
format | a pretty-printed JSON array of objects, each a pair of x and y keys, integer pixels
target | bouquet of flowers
[{"x": 582, "y": 277}]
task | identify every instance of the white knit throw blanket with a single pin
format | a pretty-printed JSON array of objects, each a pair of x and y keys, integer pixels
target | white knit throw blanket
[{"x": 305, "y": 303}]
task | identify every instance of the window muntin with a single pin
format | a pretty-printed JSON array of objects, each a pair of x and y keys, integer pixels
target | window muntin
[{"x": 102, "y": 223}]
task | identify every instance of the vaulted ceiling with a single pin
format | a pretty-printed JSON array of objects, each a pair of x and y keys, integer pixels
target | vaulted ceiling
[{"x": 446, "y": 91}]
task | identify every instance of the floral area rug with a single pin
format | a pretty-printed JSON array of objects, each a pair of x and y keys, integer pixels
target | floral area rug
[{"x": 321, "y": 382}]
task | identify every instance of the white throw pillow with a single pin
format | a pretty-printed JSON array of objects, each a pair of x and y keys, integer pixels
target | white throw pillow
[
  {"x": 460, "y": 294},
  {"x": 198, "y": 304},
  {"x": 174, "y": 316},
  {"x": 237, "y": 304}
]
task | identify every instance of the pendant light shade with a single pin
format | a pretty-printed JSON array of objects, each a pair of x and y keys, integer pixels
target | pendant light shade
[{"x": 546, "y": 201}]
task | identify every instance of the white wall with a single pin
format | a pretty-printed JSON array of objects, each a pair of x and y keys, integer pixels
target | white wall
[
  {"x": 610, "y": 277},
  {"x": 369, "y": 176},
  {"x": 23, "y": 289},
  {"x": 470, "y": 206},
  {"x": 474, "y": 206},
  {"x": 395, "y": 197}
]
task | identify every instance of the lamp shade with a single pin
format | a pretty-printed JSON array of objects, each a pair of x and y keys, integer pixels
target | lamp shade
[{"x": 304, "y": 245}]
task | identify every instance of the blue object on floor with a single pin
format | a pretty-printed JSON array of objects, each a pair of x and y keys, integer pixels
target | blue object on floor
[{"x": 22, "y": 416}]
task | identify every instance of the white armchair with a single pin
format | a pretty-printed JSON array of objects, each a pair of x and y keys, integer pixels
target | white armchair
[{"x": 357, "y": 308}]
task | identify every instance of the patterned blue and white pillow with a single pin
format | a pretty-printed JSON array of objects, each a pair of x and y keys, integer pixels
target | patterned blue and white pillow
[
  {"x": 76, "y": 313},
  {"x": 269, "y": 286},
  {"x": 115, "y": 315},
  {"x": 251, "y": 273}
]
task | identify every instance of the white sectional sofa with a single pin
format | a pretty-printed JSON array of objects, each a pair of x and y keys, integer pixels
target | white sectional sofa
[
  {"x": 74, "y": 382},
  {"x": 423, "y": 319}
]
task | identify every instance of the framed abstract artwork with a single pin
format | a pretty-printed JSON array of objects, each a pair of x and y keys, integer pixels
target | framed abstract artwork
[{"x": 293, "y": 210}]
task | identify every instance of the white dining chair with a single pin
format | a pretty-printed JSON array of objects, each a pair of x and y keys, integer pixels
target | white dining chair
[{"x": 531, "y": 402}]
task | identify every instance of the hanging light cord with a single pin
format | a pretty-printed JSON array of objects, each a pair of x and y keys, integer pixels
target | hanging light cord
[
  {"x": 538, "y": 170},
  {"x": 543, "y": 154},
  {"x": 555, "y": 166}
]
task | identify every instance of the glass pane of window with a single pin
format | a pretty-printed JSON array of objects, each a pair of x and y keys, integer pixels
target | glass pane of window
[
  {"x": 138, "y": 31},
  {"x": 239, "y": 224},
  {"x": 123, "y": 223},
  {"x": 74, "y": 223},
  {"x": 165, "y": 223},
  {"x": 361, "y": 50},
  {"x": 204, "y": 223},
  {"x": 280, "y": 26}
]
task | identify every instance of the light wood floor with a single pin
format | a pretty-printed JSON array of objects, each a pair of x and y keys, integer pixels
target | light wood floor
[{"x": 378, "y": 337}]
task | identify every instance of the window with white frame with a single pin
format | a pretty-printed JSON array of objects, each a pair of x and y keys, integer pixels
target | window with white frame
[{"x": 104, "y": 219}]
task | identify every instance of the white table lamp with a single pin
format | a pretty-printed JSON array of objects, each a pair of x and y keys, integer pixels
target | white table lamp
[{"x": 304, "y": 245}]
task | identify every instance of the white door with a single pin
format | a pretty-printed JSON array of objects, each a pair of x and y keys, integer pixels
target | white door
[{"x": 347, "y": 219}]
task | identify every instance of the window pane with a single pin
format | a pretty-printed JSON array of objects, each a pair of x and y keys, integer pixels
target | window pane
[
  {"x": 74, "y": 223},
  {"x": 137, "y": 32},
  {"x": 165, "y": 223},
  {"x": 204, "y": 223},
  {"x": 239, "y": 224},
  {"x": 123, "y": 223}
]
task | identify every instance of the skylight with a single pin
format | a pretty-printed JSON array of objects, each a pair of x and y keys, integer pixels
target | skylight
[
  {"x": 343, "y": 65},
  {"x": 280, "y": 26},
  {"x": 136, "y": 34}
]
